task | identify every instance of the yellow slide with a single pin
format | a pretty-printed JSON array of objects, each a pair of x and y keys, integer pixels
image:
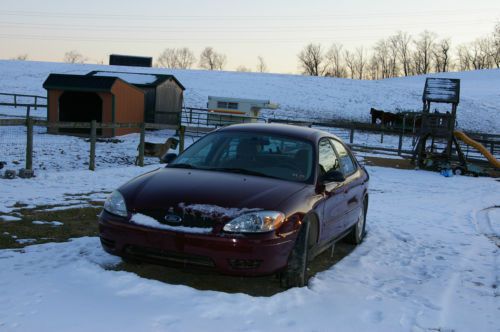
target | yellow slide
[{"x": 469, "y": 141}]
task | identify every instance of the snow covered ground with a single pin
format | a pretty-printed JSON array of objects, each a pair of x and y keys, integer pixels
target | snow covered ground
[
  {"x": 300, "y": 97},
  {"x": 428, "y": 263}
]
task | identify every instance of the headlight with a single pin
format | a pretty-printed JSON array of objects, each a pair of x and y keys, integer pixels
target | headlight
[
  {"x": 255, "y": 222},
  {"x": 115, "y": 204}
]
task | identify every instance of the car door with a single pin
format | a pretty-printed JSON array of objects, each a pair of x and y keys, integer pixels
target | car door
[
  {"x": 334, "y": 206},
  {"x": 353, "y": 189}
]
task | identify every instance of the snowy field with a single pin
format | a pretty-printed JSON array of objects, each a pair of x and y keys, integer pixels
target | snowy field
[
  {"x": 300, "y": 97},
  {"x": 431, "y": 264}
]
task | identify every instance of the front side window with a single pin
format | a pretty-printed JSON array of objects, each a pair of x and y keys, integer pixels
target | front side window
[
  {"x": 251, "y": 153},
  {"x": 347, "y": 164},
  {"x": 327, "y": 158}
]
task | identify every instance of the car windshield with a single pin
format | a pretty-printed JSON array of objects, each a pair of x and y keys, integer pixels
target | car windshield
[{"x": 251, "y": 153}]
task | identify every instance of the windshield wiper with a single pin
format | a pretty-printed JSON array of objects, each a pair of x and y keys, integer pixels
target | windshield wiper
[
  {"x": 182, "y": 165},
  {"x": 241, "y": 171}
]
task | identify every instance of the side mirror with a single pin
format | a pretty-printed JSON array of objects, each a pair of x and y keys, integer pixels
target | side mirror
[
  {"x": 168, "y": 158},
  {"x": 332, "y": 176}
]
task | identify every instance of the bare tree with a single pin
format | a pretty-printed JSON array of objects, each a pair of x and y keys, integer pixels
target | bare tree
[
  {"x": 311, "y": 60},
  {"x": 21, "y": 57},
  {"x": 495, "y": 46},
  {"x": 350, "y": 62},
  {"x": 403, "y": 41},
  {"x": 393, "y": 51},
  {"x": 74, "y": 57},
  {"x": 441, "y": 54},
  {"x": 334, "y": 63},
  {"x": 261, "y": 65},
  {"x": 185, "y": 58},
  {"x": 422, "y": 56},
  {"x": 464, "y": 58},
  {"x": 374, "y": 68},
  {"x": 381, "y": 54},
  {"x": 360, "y": 62},
  {"x": 181, "y": 58},
  {"x": 167, "y": 58},
  {"x": 211, "y": 60},
  {"x": 243, "y": 69}
]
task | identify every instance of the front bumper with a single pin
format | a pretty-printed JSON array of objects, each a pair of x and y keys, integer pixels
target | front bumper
[{"x": 243, "y": 255}]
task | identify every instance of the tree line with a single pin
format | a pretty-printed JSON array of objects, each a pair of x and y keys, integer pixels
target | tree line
[
  {"x": 398, "y": 55},
  {"x": 401, "y": 55}
]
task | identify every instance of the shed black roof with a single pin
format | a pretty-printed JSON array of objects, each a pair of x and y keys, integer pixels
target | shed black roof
[
  {"x": 79, "y": 82},
  {"x": 160, "y": 78}
]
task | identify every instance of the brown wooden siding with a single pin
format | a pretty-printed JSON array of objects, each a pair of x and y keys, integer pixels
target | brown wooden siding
[{"x": 129, "y": 106}]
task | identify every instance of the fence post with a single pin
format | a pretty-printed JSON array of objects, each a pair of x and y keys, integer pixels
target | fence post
[
  {"x": 382, "y": 136},
  {"x": 400, "y": 144},
  {"x": 401, "y": 136},
  {"x": 141, "y": 145},
  {"x": 182, "y": 130},
  {"x": 36, "y": 101},
  {"x": 492, "y": 147},
  {"x": 15, "y": 101},
  {"x": 29, "y": 144},
  {"x": 28, "y": 111},
  {"x": 93, "y": 134},
  {"x": 351, "y": 136}
]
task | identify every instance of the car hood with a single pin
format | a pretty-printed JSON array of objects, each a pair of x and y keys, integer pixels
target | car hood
[{"x": 173, "y": 187}]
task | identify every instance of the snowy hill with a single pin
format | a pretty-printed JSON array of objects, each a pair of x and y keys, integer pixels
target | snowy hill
[{"x": 299, "y": 96}]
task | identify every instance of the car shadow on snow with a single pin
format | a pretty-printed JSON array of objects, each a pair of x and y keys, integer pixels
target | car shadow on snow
[{"x": 255, "y": 286}]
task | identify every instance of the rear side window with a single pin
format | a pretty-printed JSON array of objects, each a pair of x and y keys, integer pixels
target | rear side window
[{"x": 347, "y": 163}]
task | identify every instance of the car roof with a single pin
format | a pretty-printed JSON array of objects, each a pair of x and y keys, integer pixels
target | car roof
[{"x": 299, "y": 132}]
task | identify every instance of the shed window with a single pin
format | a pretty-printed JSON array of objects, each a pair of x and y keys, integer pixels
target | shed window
[{"x": 227, "y": 105}]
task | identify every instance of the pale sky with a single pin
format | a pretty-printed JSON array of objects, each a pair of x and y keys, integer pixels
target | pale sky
[{"x": 243, "y": 30}]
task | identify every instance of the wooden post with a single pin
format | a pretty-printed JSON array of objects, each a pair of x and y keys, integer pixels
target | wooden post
[
  {"x": 492, "y": 148},
  {"x": 382, "y": 136},
  {"x": 15, "y": 101},
  {"x": 93, "y": 134},
  {"x": 351, "y": 136},
  {"x": 401, "y": 136},
  {"x": 141, "y": 145},
  {"x": 28, "y": 111},
  {"x": 36, "y": 98},
  {"x": 182, "y": 131},
  {"x": 29, "y": 144},
  {"x": 400, "y": 144}
]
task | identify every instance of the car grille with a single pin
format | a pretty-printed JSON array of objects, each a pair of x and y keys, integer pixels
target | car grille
[
  {"x": 188, "y": 220},
  {"x": 168, "y": 257}
]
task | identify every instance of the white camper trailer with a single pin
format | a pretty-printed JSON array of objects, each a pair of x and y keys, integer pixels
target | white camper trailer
[{"x": 225, "y": 111}]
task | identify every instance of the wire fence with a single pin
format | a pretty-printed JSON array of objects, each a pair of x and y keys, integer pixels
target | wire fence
[{"x": 49, "y": 150}]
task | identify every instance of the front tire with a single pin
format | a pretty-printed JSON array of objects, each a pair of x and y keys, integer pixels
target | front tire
[
  {"x": 295, "y": 274},
  {"x": 358, "y": 230}
]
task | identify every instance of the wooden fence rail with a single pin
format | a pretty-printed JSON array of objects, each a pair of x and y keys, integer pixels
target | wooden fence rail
[
  {"x": 16, "y": 104},
  {"x": 93, "y": 126}
]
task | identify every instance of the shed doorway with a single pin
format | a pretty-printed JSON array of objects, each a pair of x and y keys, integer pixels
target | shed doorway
[{"x": 80, "y": 107}]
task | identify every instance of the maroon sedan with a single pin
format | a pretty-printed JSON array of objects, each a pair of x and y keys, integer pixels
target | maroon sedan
[{"x": 252, "y": 199}]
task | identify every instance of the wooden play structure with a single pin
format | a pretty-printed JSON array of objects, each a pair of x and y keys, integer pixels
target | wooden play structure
[{"x": 437, "y": 140}]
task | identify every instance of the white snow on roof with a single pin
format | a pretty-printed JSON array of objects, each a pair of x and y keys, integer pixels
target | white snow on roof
[{"x": 130, "y": 78}]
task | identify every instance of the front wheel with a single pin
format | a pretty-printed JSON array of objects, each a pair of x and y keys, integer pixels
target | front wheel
[
  {"x": 295, "y": 274},
  {"x": 358, "y": 230}
]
